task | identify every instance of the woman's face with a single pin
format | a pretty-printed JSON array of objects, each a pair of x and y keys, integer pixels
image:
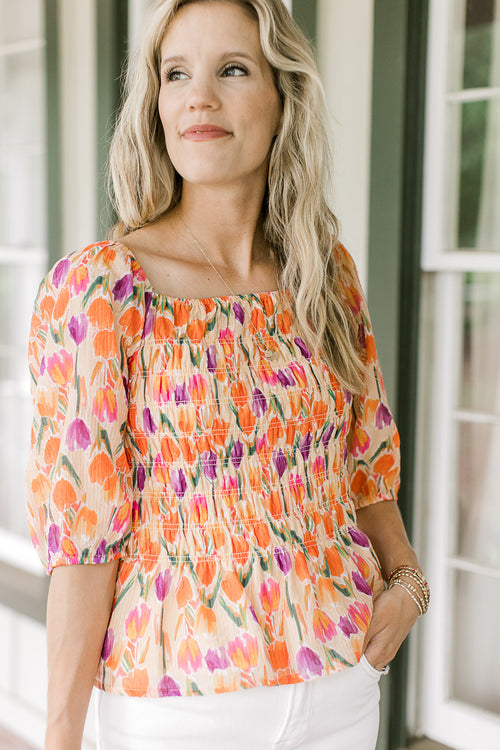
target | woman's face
[{"x": 218, "y": 103}]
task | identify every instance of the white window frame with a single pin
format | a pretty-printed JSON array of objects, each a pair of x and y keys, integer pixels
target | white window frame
[
  {"x": 436, "y": 257},
  {"x": 452, "y": 722}
]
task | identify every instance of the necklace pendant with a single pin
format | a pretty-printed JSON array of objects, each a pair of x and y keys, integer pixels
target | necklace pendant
[{"x": 271, "y": 354}]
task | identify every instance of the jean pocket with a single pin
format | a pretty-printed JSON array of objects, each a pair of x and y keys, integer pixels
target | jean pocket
[{"x": 370, "y": 670}]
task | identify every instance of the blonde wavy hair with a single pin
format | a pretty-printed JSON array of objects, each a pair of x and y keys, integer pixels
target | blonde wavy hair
[{"x": 299, "y": 225}]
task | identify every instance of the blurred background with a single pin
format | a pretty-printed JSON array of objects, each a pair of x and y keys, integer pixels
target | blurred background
[{"x": 413, "y": 91}]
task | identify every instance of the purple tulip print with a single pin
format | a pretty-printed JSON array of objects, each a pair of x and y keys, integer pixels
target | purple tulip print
[
  {"x": 238, "y": 312},
  {"x": 305, "y": 443},
  {"x": 303, "y": 348},
  {"x": 259, "y": 403},
  {"x": 78, "y": 435},
  {"x": 308, "y": 663},
  {"x": 53, "y": 538},
  {"x": 361, "y": 584},
  {"x": 282, "y": 557},
  {"x": 211, "y": 359},
  {"x": 149, "y": 425},
  {"x": 347, "y": 627},
  {"x": 209, "y": 463},
  {"x": 237, "y": 454},
  {"x": 168, "y": 687},
  {"x": 60, "y": 272},
  {"x": 279, "y": 460},
  {"x": 123, "y": 288},
  {"x": 286, "y": 378},
  {"x": 100, "y": 552},
  {"x": 358, "y": 536},
  {"x": 178, "y": 481},
  {"x": 181, "y": 394},
  {"x": 383, "y": 416},
  {"x": 78, "y": 327},
  {"x": 216, "y": 659},
  {"x": 163, "y": 582},
  {"x": 107, "y": 646},
  {"x": 141, "y": 477},
  {"x": 149, "y": 315}
]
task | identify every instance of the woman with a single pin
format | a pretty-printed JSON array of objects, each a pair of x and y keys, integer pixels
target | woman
[{"x": 214, "y": 467}]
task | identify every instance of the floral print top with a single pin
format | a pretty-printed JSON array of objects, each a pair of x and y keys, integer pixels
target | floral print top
[{"x": 225, "y": 482}]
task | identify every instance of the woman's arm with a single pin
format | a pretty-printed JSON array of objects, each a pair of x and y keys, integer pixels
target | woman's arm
[
  {"x": 394, "y": 611},
  {"x": 78, "y": 610}
]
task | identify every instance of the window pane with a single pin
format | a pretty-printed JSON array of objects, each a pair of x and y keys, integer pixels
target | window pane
[
  {"x": 18, "y": 286},
  {"x": 475, "y": 41},
  {"x": 473, "y": 193},
  {"x": 22, "y": 198},
  {"x": 22, "y": 92},
  {"x": 480, "y": 386},
  {"x": 15, "y": 419},
  {"x": 478, "y": 527},
  {"x": 21, "y": 20},
  {"x": 475, "y": 657}
]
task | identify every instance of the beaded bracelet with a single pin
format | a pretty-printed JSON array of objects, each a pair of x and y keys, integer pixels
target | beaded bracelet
[
  {"x": 405, "y": 587},
  {"x": 421, "y": 597}
]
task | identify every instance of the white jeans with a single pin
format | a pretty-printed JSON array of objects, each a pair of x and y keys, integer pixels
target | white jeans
[{"x": 337, "y": 712}]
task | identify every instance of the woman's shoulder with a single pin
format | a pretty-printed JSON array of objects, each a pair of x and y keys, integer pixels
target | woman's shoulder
[
  {"x": 106, "y": 260},
  {"x": 103, "y": 272}
]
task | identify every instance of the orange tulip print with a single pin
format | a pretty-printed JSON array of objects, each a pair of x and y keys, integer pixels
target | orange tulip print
[
  {"x": 69, "y": 549},
  {"x": 78, "y": 279},
  {"x": 136, "y": 682},
  {"x": 52, "y": 450},
  {"x": 184, "y": 593},
  {"x": 101, "y": 468},
  {"x": 63, "y": 495},
  {"x": 334, "y": 561},
  {"x": 104, "y": 405},
  {"x": 269, "y": 595},
  {"x": 137, "y": 622},
  {"x": 199, "y": 509},
  {"x": 181, "y": 313},
  {"x": 243, "y": 652},
  {"x": 278, "y": 655},
  {"x": 163, "y": 328},
  {"x": 195, "y": 330},
  {"x": 61, "y": 304},
  {"x": 60, "y": 367},
  {"x": 206, "y": 570},
  {"x": 189, "y": 657},
  {"x": 360, "y": 442},
  {"x": 324, "y": 627},
  {"x": 206, "y": 621},
  {"x": 104, "y": 344},
  {"x": 100, "y": 314},
  {"x": 232, "y": 587},
  {"x": 46, "y": 401}
]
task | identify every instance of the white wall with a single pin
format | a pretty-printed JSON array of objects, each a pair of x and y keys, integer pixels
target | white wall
[{"x": 345, "y": 46}]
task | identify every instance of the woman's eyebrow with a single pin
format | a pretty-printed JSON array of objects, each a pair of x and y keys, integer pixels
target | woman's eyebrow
[{"x": 176, "y": 59}]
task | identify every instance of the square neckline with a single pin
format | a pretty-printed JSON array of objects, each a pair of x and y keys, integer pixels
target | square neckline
[{"x": 273, "y": 293}]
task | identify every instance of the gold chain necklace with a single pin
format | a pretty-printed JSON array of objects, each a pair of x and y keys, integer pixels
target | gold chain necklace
[{"x": 269, "y": 353}]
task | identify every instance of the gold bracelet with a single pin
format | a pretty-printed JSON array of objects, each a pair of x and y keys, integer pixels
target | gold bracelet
[
  {"x": 404, "y": 586},
  {"x": 424, "y": 590},
  {"x": 417, "y": 576}
]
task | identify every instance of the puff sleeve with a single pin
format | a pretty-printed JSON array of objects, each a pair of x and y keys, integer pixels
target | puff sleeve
[
  {"x": 373, "y": 445},
  {"x": 78, "y": 477}
]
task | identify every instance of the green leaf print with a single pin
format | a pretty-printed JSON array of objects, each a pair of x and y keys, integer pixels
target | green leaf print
[
  {"x": 334, "y": 658},
  {"x": 234, "y": 617},
  {"x": 67, "y": 464}
]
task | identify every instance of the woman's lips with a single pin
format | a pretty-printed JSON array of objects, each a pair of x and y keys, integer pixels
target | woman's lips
[{"x": 204, "y": 133}]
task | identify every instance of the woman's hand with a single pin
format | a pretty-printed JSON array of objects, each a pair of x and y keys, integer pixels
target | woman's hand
[{"x": 394, "y": 614}]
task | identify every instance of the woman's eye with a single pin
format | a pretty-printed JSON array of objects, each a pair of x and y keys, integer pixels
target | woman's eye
[
  {"x": 234, "y": 70},
  {"x": 174, "y": 75}
]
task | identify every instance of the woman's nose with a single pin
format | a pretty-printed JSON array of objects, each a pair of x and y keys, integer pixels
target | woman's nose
[{"x": 202, "y": 94}]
